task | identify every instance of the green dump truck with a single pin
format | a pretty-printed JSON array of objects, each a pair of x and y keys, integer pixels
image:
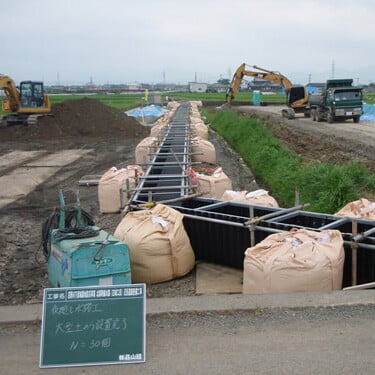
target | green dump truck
[{"x": 338, "y": 101}]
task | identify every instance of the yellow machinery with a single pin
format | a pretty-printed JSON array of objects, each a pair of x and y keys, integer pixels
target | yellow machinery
[
  {"x": 297, "y": 96},
  {"x": 23, "y": 104}
]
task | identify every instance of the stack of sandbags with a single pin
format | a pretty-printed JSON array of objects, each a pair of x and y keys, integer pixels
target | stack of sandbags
[
  {"x": 258, "y": 197},
  {"x": 159, "y": 247},
  {"x": 206, "y": 152},
  {"x": 196, "y": 104},
  {"x": 212, "y": 181},
  {"x": 110, "y": 185},
  {"x": 144, "y": 148},
  {"x": 360, "y": 209},
  {"x": 295, "y": 261},
  {"x": 158, "y": 129},
  {"x": 199, "y": 129},
  {"x": 172, "y": 105},
  {"x": 195, "y": 115}
]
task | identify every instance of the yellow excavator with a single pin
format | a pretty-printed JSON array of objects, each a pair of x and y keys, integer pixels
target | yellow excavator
[
  {"x": 25, "y": 104},
  {"x": 297, "y": 96}
]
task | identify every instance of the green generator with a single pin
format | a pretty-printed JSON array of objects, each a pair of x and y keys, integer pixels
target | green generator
[{"x": 85, "y": 255}]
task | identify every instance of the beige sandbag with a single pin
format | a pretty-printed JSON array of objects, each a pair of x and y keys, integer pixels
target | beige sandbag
[
  {"x": 213, "y": 185},
  {"x": 172, "y": 105},
  {"x": 148, "y": 145},
  {"x": 360, "y": 209},
  {"x": 235, "y": 196},
  {"x": 258, "y": 197},
  {"x": 166, "y": 118},
  {"x": 133, "y": 172},
  {"x": 196, "y": 103},
  {"x": 159, "y": 247},
  {"x": 157, "y": 129},
  {"x": 199, "y": 129},
  {"x": 109, "y": 190},
  {"x": 206, "y": 152},
  {"x": 295, "y": 261},
  {"x": 195, "y": 120},
  {"x": 194, "y": 117},
  {"x": 110, "y": 184}
]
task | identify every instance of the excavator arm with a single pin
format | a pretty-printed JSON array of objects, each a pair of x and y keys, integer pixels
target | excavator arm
[
  {"x": 11, "y": 102},
  {"x": 297, "y": 97},
  {"x": 260, "y": 73}
]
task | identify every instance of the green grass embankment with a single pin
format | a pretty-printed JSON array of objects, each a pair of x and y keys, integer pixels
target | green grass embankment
[
  {"x": 123, "y": 102},
  {"x": 326, "y": 186}
]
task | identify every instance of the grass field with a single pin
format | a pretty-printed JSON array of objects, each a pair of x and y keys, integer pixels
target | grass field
[{"x": 125, "y": 102}]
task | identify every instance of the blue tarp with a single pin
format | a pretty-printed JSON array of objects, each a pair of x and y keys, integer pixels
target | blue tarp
[
  {"x": 148, "y": 111},
  {"x": 312, "y": 90},
  {"x": 368, "y": 113}
]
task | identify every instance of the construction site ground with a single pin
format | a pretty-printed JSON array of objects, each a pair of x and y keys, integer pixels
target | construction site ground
[{"x": 86, "y": 138}]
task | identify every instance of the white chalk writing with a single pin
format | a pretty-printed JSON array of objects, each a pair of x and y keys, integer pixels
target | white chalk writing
[{"x": 109, "y": 324}]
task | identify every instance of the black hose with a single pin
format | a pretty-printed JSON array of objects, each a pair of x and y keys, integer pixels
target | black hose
[{"x": 70, "y": 230}]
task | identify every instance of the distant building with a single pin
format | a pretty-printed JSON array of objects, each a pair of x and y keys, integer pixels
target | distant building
[
  {"x": 134, "y": 86},
  {"x": 197, "y": 87},
  {"x": 217, "y": 87},
  {"x": 263, "y": 85}
]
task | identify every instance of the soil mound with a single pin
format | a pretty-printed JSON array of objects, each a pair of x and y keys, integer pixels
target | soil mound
[{"x": 83, "y": 118}]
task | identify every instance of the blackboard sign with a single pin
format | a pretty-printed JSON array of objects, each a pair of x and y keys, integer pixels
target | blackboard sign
[{"x": 93, "y": 326}]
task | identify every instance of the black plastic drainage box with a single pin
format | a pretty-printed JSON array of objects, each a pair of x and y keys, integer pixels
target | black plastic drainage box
[
  {"x": 217, "y": 238},
  {"x": 306, "y": 220},
  {"x": 218, "y": 231}
]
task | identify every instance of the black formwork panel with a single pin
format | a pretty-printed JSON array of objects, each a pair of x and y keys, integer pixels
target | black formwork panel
[
  {"x": 217, "y": 243},
  {"x": 365, "y": 251},
  {"x": 194, "y": 203},
  {"x": 346, "y": 228},
  {"x": 365, "y": 265},
  {"x": 223, "y": 241},
  {"x": 304, "y": 219},
  {"x": 239, "y": 209}
]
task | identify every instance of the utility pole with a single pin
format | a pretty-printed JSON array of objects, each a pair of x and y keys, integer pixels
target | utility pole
[
  {"x": 333, "y": 69},
  {"x": 310, "y": 78}
]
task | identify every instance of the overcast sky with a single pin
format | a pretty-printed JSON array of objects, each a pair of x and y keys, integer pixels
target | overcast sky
[{"x": 151, "y": 41}]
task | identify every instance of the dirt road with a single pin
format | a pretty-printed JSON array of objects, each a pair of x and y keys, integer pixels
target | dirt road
[
  {"x": 310, "y": 341},
  {"x": 320, "y": 141}
]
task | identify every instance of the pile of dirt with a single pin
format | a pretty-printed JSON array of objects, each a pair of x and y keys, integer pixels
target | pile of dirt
[{"x": 86, "y": 117}]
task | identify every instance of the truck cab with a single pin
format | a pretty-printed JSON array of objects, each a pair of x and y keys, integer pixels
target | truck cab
[{"x": 338, "y": 101}]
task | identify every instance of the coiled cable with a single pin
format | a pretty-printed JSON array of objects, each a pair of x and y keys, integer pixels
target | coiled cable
[{"x": 70, "y": 231}]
